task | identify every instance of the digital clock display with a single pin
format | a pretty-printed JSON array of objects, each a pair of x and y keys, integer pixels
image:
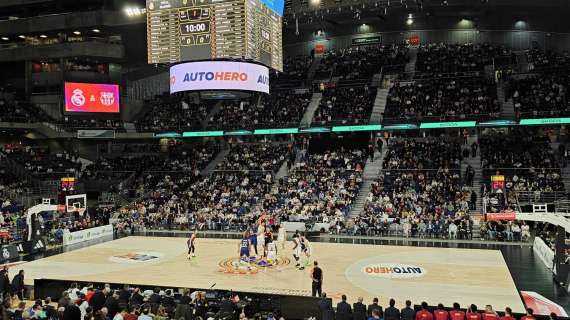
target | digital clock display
[{"x": 197, "y": 27}]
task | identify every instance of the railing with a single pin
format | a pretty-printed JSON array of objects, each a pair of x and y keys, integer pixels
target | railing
[
  {"x": 545, "y": 197},
  {"x": 418, "y": 117}
]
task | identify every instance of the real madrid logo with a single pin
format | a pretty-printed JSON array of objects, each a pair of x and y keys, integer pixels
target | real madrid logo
[{"x": 241, "y": 267}]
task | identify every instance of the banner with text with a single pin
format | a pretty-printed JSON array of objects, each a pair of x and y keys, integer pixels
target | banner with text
[
  {"x": 87, "y": 234},
  {"x": 219, "y": 75}
]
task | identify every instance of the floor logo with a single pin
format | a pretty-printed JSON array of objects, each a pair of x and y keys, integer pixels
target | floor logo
[
  {"x": 393, "y": 270},
  {"x": 237, "y": 266},
  {"x": 136, "y": 257}
]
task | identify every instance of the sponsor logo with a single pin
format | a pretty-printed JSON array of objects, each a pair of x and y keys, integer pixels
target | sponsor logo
[
  {"x": 5, "y": 253},
  {"x": 393, "y": 270},
  {"x": 136, "y": 257},
  {"x": 218, "y": 76}
]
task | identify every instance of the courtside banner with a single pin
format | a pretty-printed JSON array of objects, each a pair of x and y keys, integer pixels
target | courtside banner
[
  {"x": 219, "y": 75},
  {"x": 87, "y": 234}
]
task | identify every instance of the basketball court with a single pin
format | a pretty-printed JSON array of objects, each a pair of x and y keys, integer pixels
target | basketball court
[{"x": 436, "y": 275}]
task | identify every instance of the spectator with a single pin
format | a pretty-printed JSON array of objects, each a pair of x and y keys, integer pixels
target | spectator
[
  {"x": 343, "y": 310},
  {"x": 375, "y": 306},
  {"x": 325, "y": 305},
  {"x": 456, "y": 313},
  {"x": 407, "y": 313},
  {"x": 440, "y": 313},
  {"x": 472, "y": 313},
  {"x": 18, "y": 287},
  {"x": 359, "y": 310},
  {"x": 508, "y": 314},
  {"x": 529, "y": 315},
  {"x": 490, "y": 314},
  {"x": 424, "y": 313},
  {"x": 392, "y": 313}
]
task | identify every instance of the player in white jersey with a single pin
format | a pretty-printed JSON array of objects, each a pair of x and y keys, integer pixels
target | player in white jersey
[
  {"x": 297, "y": 250},
  {"x": 271, "y": 252},
  {"x": 261, "y": 236},
  {"x": 306, "y": 251},
  {"x": 281, "y": 237}
]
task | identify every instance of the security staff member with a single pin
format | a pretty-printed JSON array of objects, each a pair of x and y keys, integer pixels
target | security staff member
[{"x": 317, "y": 276}]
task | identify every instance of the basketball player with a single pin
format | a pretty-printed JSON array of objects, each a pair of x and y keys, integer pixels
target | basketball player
[
  {"x": 244, "y": 246},
  {"x": 191, "y": 246},
  {"x": 281, "y": 237},
  {"x": 297, "y": 251},
  {"x": 253, "y": 240},
  {"x": 271, "y": 251},
  {"x": 306, "y": 249},
  {"x": 268, "y": 237},
  {"x": 261, "y": 235}
]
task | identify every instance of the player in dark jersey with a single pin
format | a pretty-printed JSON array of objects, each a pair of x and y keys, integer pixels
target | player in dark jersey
[
  {"x": 268, "y": 235},
  {"x": 191, "y": 245}
]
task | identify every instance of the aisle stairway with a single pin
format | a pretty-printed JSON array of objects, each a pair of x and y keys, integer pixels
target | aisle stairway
[
  {"x": 311, "y": 109},
  {"x": 475, "y": 162},
  {"x": 508, "y": 108},
  {"x": 370, "y": 174},
  {"x": 379, "y": 106},
  {"x": 410, "y": 68},
  {"x": 313, "y": 68},
  {"x": 212, "y": 165}
]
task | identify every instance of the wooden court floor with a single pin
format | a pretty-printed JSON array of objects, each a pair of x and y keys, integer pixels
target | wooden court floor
[{"x": 435, "y": 275}]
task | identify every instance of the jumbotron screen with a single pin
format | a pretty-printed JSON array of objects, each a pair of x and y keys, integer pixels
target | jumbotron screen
[{"x": 190, "y": 30}]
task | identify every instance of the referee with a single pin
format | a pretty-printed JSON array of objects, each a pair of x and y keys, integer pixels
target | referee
[{"x": 317, "y": 276}]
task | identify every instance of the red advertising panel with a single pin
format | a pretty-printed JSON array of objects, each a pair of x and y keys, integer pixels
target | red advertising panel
[
  {"x": 91, "y": 97},
  {"x": 502, "y": 216}
]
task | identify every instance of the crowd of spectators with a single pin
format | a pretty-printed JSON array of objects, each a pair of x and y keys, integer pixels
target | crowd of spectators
[
  {"x": 528, "y": 162},
  {"x": 280, "y": 109},
  {"x": 437, "y": 59},
  {"x": 345, "y": 105},
  {"x": 541, "y": 95},
  {"x": 419, "y": 192},
  {"x": 39, "y": 161},
  {"x": 539, "y": 59},
  {"x": 443, "y": 99},
  {"x": 360, "y": 62},
  {"x": 295, "y": 68},
  {"x": 17, "y": 111},
  {"x": 233, "y": 192},
  {"x": 105, "y": 302},
  {"x": 172, "y": 112},
  {"x": 320, "y": 187}
]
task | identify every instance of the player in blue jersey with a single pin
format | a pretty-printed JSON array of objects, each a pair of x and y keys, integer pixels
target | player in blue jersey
[{"x": 244, "y": 246}]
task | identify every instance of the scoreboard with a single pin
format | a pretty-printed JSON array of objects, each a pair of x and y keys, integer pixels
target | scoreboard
[{"x": 190, "y": 30}]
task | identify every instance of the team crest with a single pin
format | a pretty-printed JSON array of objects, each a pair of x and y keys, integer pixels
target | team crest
[
  {"x": 253, "y": 266},
  {"x": 107, "y": 98}
]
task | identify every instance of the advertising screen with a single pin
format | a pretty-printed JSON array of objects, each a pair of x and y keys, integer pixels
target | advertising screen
[
  {"x": 91, "y": 97},
  {"x": 219, "y": 75}
]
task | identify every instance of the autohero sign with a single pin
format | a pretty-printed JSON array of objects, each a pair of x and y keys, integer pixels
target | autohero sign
[
  {"x": 219, "y": 75},
  {"x": 393, "y": 270}
]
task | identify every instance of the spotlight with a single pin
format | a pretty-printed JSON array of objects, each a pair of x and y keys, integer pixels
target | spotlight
[
  {"x": 96, "y": 30},
  {"x": 444, "y": 3},
  {"x": 76, "y": 33},
  {"x": 43, "y": 36},
  {"x": 22, "y": 37},
  {"x": 409, "y": 21},
  {"x": 5, "y": 38}
]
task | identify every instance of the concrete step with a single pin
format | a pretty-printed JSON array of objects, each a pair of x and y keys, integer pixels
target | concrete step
[
  {"x": 311, "y": 109},
  {"x": 212, "y": 165},
  {"x": 379, "y": 105}
]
